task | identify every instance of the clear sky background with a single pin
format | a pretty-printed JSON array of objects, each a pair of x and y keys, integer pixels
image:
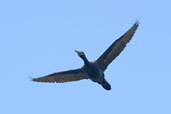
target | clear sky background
[{"x": 38, "y": 37}]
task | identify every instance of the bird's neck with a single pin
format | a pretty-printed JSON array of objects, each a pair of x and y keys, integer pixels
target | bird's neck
[{"x": 86, "y": 62}]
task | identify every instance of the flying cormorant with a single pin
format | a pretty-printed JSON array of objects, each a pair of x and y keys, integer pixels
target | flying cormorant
[{"x": 93, "y": 70}]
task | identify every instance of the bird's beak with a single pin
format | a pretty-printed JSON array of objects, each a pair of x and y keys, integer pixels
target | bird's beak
[{"x": 78, "y": 52}]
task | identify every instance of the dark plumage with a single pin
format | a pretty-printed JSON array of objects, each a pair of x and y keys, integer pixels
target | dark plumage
[{"x": 93, "y": 70}]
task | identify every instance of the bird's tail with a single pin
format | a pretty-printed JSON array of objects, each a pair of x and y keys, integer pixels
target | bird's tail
[{"x": 105, "y": 85}]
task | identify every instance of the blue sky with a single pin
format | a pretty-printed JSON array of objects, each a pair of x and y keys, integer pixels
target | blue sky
[{"x": 38, "y": 37}]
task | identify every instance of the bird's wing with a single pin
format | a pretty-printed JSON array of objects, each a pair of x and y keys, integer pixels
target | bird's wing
[
  {"x": 65, "y": 76},
  {"x": 115, "y": 49}
]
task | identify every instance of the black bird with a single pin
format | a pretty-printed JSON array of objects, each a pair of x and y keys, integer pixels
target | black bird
[{"x": 93, "y": 70}]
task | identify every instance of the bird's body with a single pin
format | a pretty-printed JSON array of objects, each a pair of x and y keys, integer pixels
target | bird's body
[
  {"x": 94, "y": 73},
  {"x": 93, "y": 70}
]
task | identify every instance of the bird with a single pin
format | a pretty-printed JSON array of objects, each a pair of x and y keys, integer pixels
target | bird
[{"x": 93, "y": 70}]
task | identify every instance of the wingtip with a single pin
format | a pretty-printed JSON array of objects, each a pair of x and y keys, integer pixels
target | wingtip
[
  {"x": 137, "y": 22},
  {"x": 32, "y": 79}
]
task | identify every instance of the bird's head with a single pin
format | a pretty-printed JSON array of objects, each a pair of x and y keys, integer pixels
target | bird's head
[
  {"x": 80, "y": 53},
  {"x": 82, "y": 56}
]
